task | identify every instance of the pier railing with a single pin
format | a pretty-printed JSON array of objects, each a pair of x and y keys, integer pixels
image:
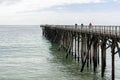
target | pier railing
[{"x": 111, "y": 31}]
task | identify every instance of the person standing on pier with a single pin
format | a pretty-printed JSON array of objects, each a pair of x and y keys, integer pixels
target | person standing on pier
[
  {"x": 82, "y": 25},
  {"x": 75, "y": 25},
  {"x": 90, "y": 25}
]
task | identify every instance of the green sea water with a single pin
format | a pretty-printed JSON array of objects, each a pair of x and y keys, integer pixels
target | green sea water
[{"x": 26, "y": 55}]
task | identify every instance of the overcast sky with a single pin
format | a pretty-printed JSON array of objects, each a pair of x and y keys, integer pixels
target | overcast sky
[{"x": 35, "y": 12}]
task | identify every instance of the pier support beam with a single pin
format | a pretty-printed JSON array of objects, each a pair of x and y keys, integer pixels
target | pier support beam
[
  {"x": 113, "y": 59},
  {"x": 78, "y": 47},
  {"x": 103, "y": 57},
  {"x": 75, "y": 44},
  {"x": 83, "y": 47},
  {"x": 95, "y": 54}
]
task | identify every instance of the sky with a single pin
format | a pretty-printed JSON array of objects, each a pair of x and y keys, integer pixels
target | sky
[{"x": 36, "y": 12}]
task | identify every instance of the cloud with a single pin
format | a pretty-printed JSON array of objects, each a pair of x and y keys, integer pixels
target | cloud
[
  {"x": 41, "y": 4},
  {"x": 9, "y": 1},
  {"x": 115, "y": 0},
  {"x": 76, "y": 6},
  {"x": 53, "y": 12},
  {"x": 49, "y": 17},
  {"x": 19, "y": 6}
]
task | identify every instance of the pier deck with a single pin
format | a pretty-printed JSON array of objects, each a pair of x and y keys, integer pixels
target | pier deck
[{"x": 85, "y": 43}]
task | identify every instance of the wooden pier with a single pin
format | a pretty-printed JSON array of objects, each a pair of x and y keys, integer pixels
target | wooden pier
[{"x": 86, "y": 43}]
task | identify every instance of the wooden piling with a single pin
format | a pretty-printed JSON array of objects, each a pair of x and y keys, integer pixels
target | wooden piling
[
  {"x": 72, "y": 43},
  {"x": 83, "y": 47},
  {"x": 95, "y": 54},
  {"x": 113, "y": 59},
  {"x": 103, "y": 57},
  {"x": 88, "y": 50},
  {"x": 75, "y": 42},
  {"x": 78, "y": 46}
]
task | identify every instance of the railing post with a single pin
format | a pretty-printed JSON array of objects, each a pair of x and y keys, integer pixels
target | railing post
[
  {"x": 116, "y": 31},
  {"x": 86, "y": 29},
  {"x": 99, "y": 29},
  {"x": 119, "y": 30},
  {"x": 107, "y": 30},
  {"x": 102, "y": 29},
  {"x": 110, "y": 30},
  {"x": 92, "y": 29},
  {"x": 89, "y": 31},
  {"x": 95, "y": 29}
]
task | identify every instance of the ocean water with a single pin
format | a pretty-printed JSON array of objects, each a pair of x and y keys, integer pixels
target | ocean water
[{"x": 26, "y": 55}]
